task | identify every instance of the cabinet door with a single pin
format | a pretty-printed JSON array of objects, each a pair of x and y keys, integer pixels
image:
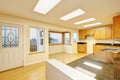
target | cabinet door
[
  {"x": 116, "y": 27},
  {"x": 102, "y": 34},
  {"x": 81, "y": 34},
  {"x": 108, "y": 32},
  {"x": 82, "y": 48},
  {"x": 96, "y": 35},
  {"x": 90, "y": 31},
  {"x": 97, "y": 48}
]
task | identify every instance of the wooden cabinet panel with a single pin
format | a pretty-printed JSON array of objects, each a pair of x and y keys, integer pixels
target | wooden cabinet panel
[
  {"x": 108, "y": 32},
  {"x": 82, "y": 34},
  {"x": 103, "y": 33},
  {"x": 82, "y": 48},
  {"x": 89, "y": 31},
  {"x": 97, "y": 32},
  {"x": 116, "y": 27},
  {"x": 97, "y": 48}
]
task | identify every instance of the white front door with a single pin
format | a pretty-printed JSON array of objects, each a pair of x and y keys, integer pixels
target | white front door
[{"x": 11, "y": 46}]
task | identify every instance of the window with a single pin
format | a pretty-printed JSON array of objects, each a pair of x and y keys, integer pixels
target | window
[
  {"x": 55, "y": 38},
  {"x": 75, "y": 37},
  {"x": 36, "y": 40},
  {"x": 67, "y": 38},
  {"x": 9, "y": 37}
]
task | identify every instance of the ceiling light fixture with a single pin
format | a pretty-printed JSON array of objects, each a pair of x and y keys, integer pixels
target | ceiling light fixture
[
  {"x": 73, "y": 14},
  {"x": 85, "y": 21},
  {"x": 44, "y": 6},
  {"x": 94, "y": 24}
]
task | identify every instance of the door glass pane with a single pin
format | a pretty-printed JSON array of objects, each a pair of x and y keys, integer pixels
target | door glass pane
[
  {"x": 9, "y": 37},
  {"x": 36, "y": 40}
]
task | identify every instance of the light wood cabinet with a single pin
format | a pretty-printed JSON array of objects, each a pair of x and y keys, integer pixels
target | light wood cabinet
[
  {"x": 116, "y": 27},
  {"x": 82, "y": 48},
  {"x": 108, "y": 32},
  {"x": 103, "y": 33},
  {"x": 97, "y": 48},
  {"x": 99, "y": 33},
  {"x": 89, "y": 31},
  {"x": 82, "y": 34}
]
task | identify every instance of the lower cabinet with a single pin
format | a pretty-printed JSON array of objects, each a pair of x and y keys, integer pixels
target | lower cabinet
[
  {"x": 82, "y": 48},
  {"x": 97, "y": 48}
]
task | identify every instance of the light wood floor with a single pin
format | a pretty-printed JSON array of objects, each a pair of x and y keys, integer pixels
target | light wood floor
[
  {"x": 36, "y": 71},
  {"x": 66, "y": 57}
]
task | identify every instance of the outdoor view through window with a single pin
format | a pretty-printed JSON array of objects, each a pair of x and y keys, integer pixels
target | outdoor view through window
[
  {"x": 55, "y": 38},
  {"x": 36, "y": 40}
]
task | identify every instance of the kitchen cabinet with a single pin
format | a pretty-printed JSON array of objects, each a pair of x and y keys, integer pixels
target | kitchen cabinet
[
  {"x": 116, "y": 27},
  {"x": 103, "y": 33},
  {"x": 85, "y": 32},
  {"x": 89, "y": 31},
  {"x": 97, "y": 48},
  {"x": 82, "y": 48},
  {"x": 98, "y": 33},
  {"x": 108, "y": 32},
  {"x": 82, "y": 34}
]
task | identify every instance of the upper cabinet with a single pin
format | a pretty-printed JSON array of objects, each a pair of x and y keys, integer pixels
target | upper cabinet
[
  {"x": 89, "y": 32},
  {"x": 82, "y": 34},
  {"x": 108, "y": 32},
  {"x": 98, "y": 33},
  {"x": 103, "y": 33},
  {"x": 116, "y": 27}
]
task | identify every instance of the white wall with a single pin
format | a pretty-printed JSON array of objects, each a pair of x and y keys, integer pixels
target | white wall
[
  {"x": 27, "y": 23},
  {"x": 61, "y": 71},
  {"x": 56, "y": 49}
]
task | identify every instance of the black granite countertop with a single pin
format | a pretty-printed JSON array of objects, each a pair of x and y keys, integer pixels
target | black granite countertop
[
  {"x": 81, "y": 43},
  {"x": 107, "y": 44}
]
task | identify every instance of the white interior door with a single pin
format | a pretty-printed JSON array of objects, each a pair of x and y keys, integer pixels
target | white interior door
[{"x": 11, "y": 46}]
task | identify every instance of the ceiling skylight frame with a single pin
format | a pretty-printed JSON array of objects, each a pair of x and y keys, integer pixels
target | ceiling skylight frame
[
  {"x": 72, "y": 15},
  {"x": 85, "y": 21},
  {"x": 92, "y": 25},
  {"x": 44, "y": 6}
]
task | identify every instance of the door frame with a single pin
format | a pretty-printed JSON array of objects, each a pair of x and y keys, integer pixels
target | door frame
[{"x": 21, "y": 35}]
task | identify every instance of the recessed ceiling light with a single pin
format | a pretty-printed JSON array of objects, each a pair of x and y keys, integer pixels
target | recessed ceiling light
[
  {"x": 84, "y": 21},
  {"x": 73, "y": 14},
  {"x": 44, "y": 6},
  {"x": 94, "y": 24}
]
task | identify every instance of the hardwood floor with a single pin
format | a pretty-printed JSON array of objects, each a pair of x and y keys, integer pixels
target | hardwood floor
[
  {"x": 66, "y": 57},
  {"x": 36, "y": 71},
  {"x": 32, "y": 72}
]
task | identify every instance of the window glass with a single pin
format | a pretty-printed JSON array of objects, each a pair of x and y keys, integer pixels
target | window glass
[
  {"x": 9, "y": 37},
  {"x": 36, "y": 40},
  {"x": 75, "y": 37},
  {"x": 66, "y": 38},
  {"x": 55, "y": 38}
]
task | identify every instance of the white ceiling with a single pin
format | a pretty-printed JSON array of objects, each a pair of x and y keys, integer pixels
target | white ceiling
[{"x": 102, "y": 10}]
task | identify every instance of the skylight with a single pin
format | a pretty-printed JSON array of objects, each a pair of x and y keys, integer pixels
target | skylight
[
  {"x": 73, "y": 14},
  {"x": 94, "y": 24},
  {"x": 44, "y": 6},
  {"x": 85, "y": 21},
  {"x": 93, "y": 65}
]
